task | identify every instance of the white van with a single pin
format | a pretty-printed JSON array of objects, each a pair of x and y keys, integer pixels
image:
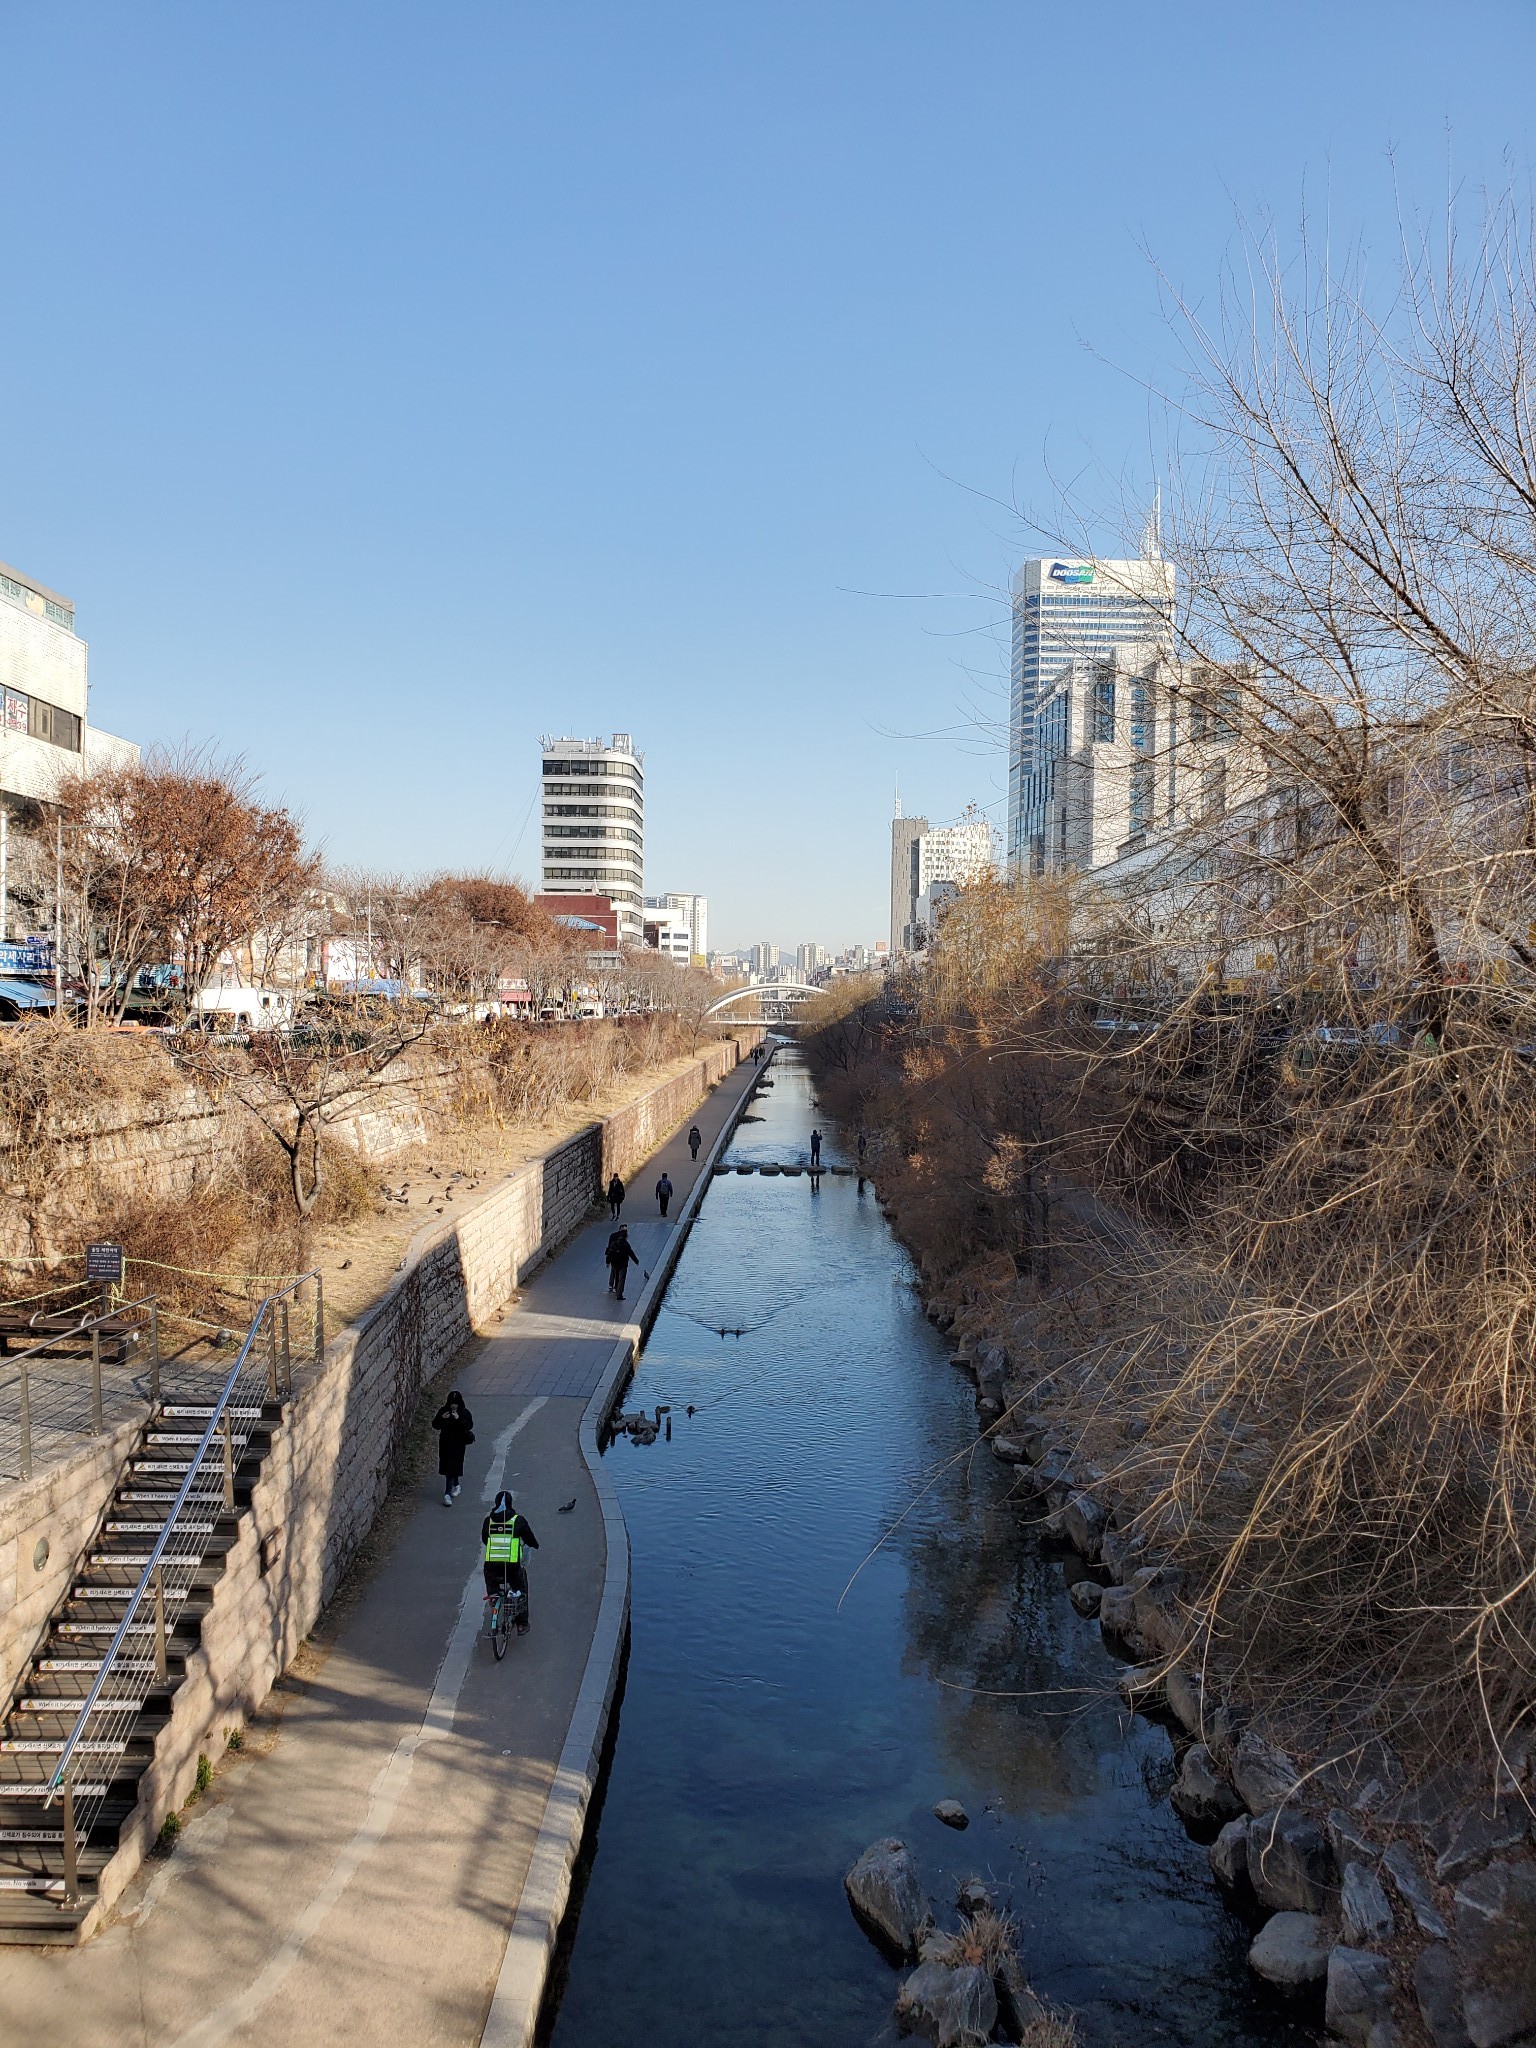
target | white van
[{"x": 244, "y": 1009}]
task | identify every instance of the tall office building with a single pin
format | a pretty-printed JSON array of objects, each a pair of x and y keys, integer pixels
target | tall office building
[
  {"x": 594, "y": 826},
  {"x": 1072, "y": 611},
  {"x": 905, "y": 888}
]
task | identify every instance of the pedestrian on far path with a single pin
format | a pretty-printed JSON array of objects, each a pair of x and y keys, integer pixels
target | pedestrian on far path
[
  {"x": 615, "y": 1199},
  {"x": 664, "y": 1190},
  {"x": 863, "y": 1146},
  {"x": 694, "y": 1142},
  {"x": 815, "y": 1148},
  {"x": 455, "y": 1428},
  {"x": 619, "y": 1257}
]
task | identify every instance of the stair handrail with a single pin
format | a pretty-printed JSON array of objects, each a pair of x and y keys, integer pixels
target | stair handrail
[
  {"x": 45, "y": 1350},
  {"x": 56, "y": 1783}
]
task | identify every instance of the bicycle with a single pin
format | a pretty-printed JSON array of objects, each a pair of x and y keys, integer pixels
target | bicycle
[{"x": 503, "y": 1611}]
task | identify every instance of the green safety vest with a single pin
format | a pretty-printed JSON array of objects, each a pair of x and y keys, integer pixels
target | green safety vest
[{"x": 502, "y": 1547}]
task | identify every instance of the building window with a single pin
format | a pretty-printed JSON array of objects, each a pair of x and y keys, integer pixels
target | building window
[
  {"x": 42, "y": 721},
  {"x": 1104, "y": 710}
]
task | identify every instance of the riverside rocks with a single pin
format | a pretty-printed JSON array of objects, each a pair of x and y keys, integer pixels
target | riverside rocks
[
  {"x": 1359, "y": 1993},
  {"x": 1475, "y": 1837},
  {"x": 885, "y": 1893},
  {"x": 1202, "y": 1796},
  {"x": 1017, "y": 2005},
  {"x": 1085, "y": 1596},
  {"x": 1185, "y": 1699},
  {"x": 1228, "y": 1854},
  {"x": 1289, "y": 1862},
  {"x": 952, "y": 1813},
  {"x": 1496, "y": 1947},
  {"x": 1365, "y": 1911},
  {"x": 1083, "y": 1522},
  {"x": 1291, "y": 1951},
  {"x": 1437, "y": 1988},
  {"x": 953, "y": 2007},
  {"x": 1406, "y": 1874},
  {"x": 1262, "y": 1774}
]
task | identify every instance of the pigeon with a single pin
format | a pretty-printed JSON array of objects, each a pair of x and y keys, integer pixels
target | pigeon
[{"x": 568, "y": 1506}]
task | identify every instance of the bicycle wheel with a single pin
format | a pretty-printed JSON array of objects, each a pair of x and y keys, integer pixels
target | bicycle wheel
[{"x": 500, "y": 1625}]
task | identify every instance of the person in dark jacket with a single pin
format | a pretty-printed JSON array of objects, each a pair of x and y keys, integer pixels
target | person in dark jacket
[
  {"x": 504, "y": 1531},
  {"x": 694, "y": 1142},
  {"x": 615, "y": 1198},
  {"x": 664, "y": 1191},
  {"x": 619, "y": 1257},
  {"x": 455, "y": 1428},
  {"x": 815, "y": 1148}
]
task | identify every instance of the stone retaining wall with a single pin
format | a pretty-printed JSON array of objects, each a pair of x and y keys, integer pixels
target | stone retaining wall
[{"x": 329, "y": 1469}]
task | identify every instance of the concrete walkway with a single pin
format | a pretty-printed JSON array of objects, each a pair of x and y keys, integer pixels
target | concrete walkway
[{"x": 357, "y": 1884}]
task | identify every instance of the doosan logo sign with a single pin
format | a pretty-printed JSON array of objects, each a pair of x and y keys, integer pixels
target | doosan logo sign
[{"x": 1071, "y": 572}]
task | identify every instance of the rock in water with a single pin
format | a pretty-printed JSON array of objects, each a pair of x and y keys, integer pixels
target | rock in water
[
  {"x": 1290, "y": 1863},
  {"x": 972, "y": 1897},
  {"x": 953, "y": 2007},
  {"x": 1291, "y": 1950},
  {"x": 884, "y": 1891},
  {"x": 1202, "y": 1795},
  {"x": 1229, "y": 1853},
  {"x": 1359, "y": 1992},
  {"x": 1017, "y": 2005},
  {"x": 1364, "y": 1906},
  {"x": 1085, "y": 1597},
  {"x": 952, "y": 1813},
  {"x": 1496, "y": 1947}
]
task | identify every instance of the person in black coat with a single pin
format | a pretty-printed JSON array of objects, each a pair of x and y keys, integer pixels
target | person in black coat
[
  {"x": 615, "y": 1198},
  {"x": 619, "y": 1256},
  {"x": 455, "y": 1428}
]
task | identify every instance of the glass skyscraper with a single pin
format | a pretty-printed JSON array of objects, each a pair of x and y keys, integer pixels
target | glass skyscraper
[{"x": 1065, "y": 611}]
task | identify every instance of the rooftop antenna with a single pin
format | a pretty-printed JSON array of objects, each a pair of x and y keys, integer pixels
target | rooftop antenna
[
  {"x": 897, "y": 812},
  {"x": 1152, "y": 532}
]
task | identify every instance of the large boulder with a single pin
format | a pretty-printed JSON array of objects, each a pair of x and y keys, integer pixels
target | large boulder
[
  {"x": 1359, "y": 1993},
  {"x": 885, "y": 1893},
  {"x": 1201, "y": 1796},
  {"x": 1437, "y": 1987},
  {"x": 1120, "y": 1550},
  {"x": 1155, "y": 1597},
  {"x": 1496, "y": 1947},
  {"x": 1290, "y": 1864},
  {"x": 1291, "y": 1951},
  {"x": 1364, "y": 1908},
  {"x": 956, "y": 2008},
  {"x": 1117, "y": 1613},
  {"x": 1263, "y": 1775},
  {"x": 1017, "y": 2006},
  {"x": 1085, "y": 1595}
]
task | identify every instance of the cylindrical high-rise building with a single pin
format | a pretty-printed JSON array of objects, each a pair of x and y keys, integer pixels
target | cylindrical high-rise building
[{"x": 594, "y": 826}]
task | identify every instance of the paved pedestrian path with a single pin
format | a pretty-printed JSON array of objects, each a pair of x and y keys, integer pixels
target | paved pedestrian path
[{"x": 357, "y": 1884}]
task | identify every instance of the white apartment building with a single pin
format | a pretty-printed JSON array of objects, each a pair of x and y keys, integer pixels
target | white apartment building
[
  {"x": 45, "y": 727},
  {"x": 1071, "y": 611},
  {"x": 1127, "y": 745},
  {"x": 811, "y": 959},
  {"x": 922, "y": 855},
  {"x": 687, "y": 918},
  {"x": 668, "y": 931},
  {"x": 594, "y": 825}
]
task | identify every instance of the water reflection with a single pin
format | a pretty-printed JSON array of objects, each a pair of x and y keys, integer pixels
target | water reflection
[{"x": 840, "y": 1617}]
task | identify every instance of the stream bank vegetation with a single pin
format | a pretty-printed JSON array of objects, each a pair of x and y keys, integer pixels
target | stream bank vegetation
[{"x": 1234, "y": 1149}]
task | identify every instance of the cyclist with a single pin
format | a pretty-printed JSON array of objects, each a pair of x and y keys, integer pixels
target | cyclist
[{"x": 503, "y": 1533}]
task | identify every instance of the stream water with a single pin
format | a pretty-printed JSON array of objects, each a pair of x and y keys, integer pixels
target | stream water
[{"x": 839, "y": 1618}]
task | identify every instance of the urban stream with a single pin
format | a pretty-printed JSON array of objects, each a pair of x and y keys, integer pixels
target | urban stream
[{"x": 839, "y": 1618}]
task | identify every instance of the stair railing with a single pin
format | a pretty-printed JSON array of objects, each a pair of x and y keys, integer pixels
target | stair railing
[
  {"x": 135, "y": 1660},
  {"x": 146, "y": 1313}
]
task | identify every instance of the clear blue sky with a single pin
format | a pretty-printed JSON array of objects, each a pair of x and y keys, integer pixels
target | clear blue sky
[{"x": 390, "y": 383}]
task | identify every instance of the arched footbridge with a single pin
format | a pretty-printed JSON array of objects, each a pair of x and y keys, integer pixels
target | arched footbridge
[{"x": 777, "y": 1001}]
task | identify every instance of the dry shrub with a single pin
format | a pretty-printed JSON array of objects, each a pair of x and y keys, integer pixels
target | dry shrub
[
  {"x": 1056, "y": 2030},
  {"x": 986, "y": 1939},
  {"x": 527, "y": 1073},
  {"x": 53, "y": 1083}
]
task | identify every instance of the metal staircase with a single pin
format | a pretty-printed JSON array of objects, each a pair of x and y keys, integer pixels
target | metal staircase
[{"x": 83, "y": 1726}]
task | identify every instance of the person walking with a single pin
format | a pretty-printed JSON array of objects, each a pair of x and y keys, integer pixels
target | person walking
[
  {"x": 694, "y": 1142},
  {"x": 664, "y": 1190},
  {"x": 615, "y": 1199},
  {"x": 619, "y": 1256},
  {"x": 863, "y": 1146},
  {"x": 815, "y": 1148},
  {"x": 455, "y": 1428}
]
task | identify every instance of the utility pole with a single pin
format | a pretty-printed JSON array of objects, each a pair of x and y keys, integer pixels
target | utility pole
[
  {"x": 58, "y": 922},
  {"x": 5, "y": 866}
]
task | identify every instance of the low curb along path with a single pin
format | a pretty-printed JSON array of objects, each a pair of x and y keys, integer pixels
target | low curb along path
[{"x": 394, "y": 1870}]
